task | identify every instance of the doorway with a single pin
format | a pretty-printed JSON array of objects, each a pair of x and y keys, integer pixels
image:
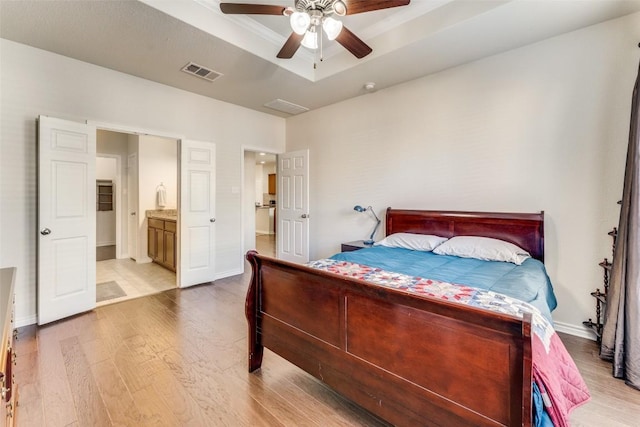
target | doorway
[
  {"x": 127, "y": 197},
  {"x": 260, "y": 200},
  {"x": 67, "y": 200}
]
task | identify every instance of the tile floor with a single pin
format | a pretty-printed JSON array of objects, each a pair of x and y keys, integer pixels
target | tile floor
[
  {"x": 135, "y": 279},
  {"x": 266, "y": 244}
]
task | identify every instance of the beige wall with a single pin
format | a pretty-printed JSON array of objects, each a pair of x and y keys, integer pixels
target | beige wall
[{"x": 543, "y": 127}]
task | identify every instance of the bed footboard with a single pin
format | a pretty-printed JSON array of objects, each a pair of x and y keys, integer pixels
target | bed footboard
[{"x": 410, "y": 360}]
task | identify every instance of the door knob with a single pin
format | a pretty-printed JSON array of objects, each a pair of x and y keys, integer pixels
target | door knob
[
  {"x": 212, "y": 220},
  {"x": 45, "y": 231},
  {"x": 305, "y": 216}
]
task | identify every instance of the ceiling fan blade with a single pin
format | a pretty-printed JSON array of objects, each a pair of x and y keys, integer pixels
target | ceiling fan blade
[
  {"x": 353, "y": 44},
  {"x": 290, "y": 46},
  {"x": 360, "y": 6},
  {"x": 251, "y": 9}
]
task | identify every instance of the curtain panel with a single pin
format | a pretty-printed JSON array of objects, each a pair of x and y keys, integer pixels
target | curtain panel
[{"x": 621, "y": 333}]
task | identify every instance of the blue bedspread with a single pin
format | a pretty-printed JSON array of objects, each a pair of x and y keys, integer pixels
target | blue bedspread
[{"x": 527, "y": 282}]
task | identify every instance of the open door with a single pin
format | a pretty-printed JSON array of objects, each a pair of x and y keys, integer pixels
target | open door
[
  {"x": 66, "y": 219},
  {"x": 197, "y": 212},
  {"x": 293, "y": 206}
]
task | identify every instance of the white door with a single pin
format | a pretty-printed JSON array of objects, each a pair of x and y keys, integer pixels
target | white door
[
  {"x": 132, "y": 203},
  {"x": 197, "y": 213},
  {"x": 293, "y": 206},
  {"x": 66, "y": 219}
]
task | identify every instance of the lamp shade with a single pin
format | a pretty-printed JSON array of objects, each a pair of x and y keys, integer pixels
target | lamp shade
[
  {"x": 299, "y": 22},
  {"x": 332, "y": 27},
  {"x": 310, "y": 40}
]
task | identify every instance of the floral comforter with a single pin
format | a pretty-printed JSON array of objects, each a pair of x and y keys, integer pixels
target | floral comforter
[{"x": 554, "y": 372}]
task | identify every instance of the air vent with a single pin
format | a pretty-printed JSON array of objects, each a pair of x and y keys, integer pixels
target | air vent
[
  {"x": 200, "y": 71},
  {"x": 286, "y": 106}
]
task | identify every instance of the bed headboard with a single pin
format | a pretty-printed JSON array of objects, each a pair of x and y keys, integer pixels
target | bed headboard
[{"x": 523, "y": 229}]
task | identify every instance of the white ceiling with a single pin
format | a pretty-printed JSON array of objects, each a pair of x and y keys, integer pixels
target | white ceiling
[{"x": 154, "y": 39}]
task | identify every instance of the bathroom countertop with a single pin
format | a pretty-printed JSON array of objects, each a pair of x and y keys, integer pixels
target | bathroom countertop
[{"x": 165, "y": 214}]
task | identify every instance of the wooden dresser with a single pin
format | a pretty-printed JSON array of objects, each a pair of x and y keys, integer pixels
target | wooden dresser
[{"x": 9, "y": 389}]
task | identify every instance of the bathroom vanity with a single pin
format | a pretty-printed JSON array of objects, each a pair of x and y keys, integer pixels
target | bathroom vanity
[{"x": 161, "y": 237}]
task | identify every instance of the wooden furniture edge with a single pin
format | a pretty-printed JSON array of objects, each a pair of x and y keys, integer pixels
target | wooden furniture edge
[
  {"x": 281, "y": 335},
  {"x": 523, "y": 229}
]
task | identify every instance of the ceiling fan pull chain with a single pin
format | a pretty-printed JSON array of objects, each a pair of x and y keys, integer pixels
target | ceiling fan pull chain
[{"x": 321, "y": 42}]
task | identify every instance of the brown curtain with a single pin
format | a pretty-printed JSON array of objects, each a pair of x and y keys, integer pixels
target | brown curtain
[{"x": 621, "y": 334}]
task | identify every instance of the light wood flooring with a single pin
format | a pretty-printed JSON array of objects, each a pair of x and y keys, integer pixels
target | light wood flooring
[
  {"x": 266, "y": 244},
  {"x": 178, "y": 358},
  {"x": 135, "y": 279}
]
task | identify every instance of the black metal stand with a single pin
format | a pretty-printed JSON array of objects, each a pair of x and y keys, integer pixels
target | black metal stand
[{"x": 601, "y": 297}]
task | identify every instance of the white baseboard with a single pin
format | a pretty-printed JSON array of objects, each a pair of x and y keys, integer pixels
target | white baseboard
[
  {"x": 106, "y": 244},
  {"x": 229, "y": 273},
  {"x": 578, "y": 331},
  {"x": 262, "y": 231},
  {"x": 26, "y": 321}
]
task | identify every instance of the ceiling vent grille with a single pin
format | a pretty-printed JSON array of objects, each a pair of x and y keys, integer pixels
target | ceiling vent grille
[
  {"x": 286, "y": 106},
  {"x": 200, "y": 71}
]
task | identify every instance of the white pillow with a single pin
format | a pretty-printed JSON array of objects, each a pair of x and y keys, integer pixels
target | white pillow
[
  {"x": 484, "y": 248},
  {"x": 416, "y": 242}
]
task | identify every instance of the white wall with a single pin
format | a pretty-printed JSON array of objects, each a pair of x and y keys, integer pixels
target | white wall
[
  {"x": 543, "y": 127},
  {"x": 260, "y": 184},
  {"x": 157, "y": 164},
  {"x": 34, "y": 82}
]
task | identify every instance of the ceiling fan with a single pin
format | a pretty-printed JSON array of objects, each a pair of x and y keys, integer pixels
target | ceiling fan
[{"x": 310, "y": 18}]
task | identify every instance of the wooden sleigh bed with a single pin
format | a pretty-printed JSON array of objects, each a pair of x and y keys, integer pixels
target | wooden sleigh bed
[{"x": 411, "y": 360}]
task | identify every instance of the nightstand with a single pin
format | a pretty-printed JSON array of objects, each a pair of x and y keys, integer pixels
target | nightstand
[{"x": 354, "y": 246}]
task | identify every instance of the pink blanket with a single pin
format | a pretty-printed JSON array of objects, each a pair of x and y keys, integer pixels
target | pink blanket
[{"x": 558, "y": 378}]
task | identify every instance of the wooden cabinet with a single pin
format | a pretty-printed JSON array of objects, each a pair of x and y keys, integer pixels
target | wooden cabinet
[
  {"x": 9, "y": 389},
  {"x": 272, "y": 183},
  {"x": 161, "y": 242}
]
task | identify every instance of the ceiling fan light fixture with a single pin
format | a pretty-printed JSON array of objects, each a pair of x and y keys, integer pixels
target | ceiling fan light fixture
[
  {"x": 331, "y": 27},
  {"x": 310, "y": 40},
  {"x": 299, "y": 22},
  {"x": 339, "y": 8}
]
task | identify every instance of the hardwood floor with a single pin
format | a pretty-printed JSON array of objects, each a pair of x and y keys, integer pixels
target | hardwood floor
[{"x": 177, "y": 358}]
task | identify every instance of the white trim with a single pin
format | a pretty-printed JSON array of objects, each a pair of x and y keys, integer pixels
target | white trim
[
  {"x": 578, "y": 331},
  {"x": 109, "y": 243},
  {"x": 114, "y": 127},
  {"x": 26, "y": 321}
]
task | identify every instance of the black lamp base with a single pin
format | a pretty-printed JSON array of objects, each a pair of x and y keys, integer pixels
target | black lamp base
[{"x": 369, "y": 242}]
